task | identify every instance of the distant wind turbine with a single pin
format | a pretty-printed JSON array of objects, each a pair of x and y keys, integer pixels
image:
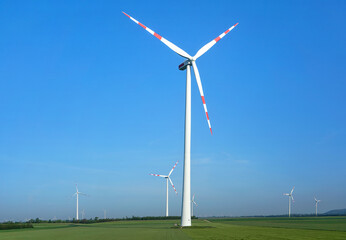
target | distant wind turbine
[
  {"x": 193, "y": 203},
  {"x": 167, "y": 178},
  {"x": 77, "y": 194},
  {"x": 290, "y": 196},
  {"x": 316, "y": 203}
]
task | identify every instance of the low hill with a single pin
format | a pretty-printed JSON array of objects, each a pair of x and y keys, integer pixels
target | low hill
[{"x": 336, "y": 212}]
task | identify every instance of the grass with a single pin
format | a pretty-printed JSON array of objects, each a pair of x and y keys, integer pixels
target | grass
[
  {"x": 273, "y": 228},
  {"x": 312, "y": 223},
  {"x": 233, "y": 228}
]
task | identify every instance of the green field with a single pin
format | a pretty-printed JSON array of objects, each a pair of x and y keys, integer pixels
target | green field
[{"x": 231, "y": 228}]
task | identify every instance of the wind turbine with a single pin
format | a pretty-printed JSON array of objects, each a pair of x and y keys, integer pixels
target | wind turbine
[
  {"x": 193, "y": 203},
  {"x": 316, "y": 203},
  {"x": 186, "y": 65},
  {"x": 77, "y": 195},
  {"x": 290, "y": 196},
  {"x": 167, "y": 179}
]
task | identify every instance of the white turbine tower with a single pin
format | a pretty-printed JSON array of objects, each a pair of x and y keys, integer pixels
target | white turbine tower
[
  {"x": 167, "y": 179},
  {"x": 193, "y": 203},
  {"x": 186, "y": 210},
  {"x": 316, "y": 203},
  {"x": 77, "y": 195},
  {"x": 290, "y": 196}
]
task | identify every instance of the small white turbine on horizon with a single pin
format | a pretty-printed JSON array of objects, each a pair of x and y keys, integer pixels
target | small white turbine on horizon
[
  {"x": 290, "y": 196},
  {"x": 193, "y": 203},
  {"x": 77, "y": 195},
  {"x": 167, "y": 179},
  {"x": 316, "y": 203}
]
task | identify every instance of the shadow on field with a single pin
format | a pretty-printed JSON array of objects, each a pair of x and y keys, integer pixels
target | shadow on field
[
  {"x": 126, "y": 226},
  {"x": 55, "y": 227},
  {"x": 117, "y": 225},
  {"x": 193, "y": 227}
]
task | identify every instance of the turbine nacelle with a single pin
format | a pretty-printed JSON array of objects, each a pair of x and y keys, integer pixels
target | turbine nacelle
[{"x": 183, "y": 66}]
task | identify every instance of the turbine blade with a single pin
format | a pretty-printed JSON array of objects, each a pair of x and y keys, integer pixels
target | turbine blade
[
  {"x": 195, "y": 203},
  {"x": 292, "y": 190},
  {"x": 206, "y": 47},
  {"x": 172, "y": 185},
  {"x": 193, "y": 197},
  {"x": 173, "y": 168},
  {"x": 157, "y": 175},
  {"x": 175, "y": 48},
  {"x": 292, "y": 198},
  {"x": 199, "y": 83}
]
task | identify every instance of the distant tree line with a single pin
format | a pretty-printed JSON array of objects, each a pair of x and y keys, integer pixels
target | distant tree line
[
  {"x": 100, "y": 220},
  {"x": 14, "y": 225},
  {"x": 28, "y": 224}
]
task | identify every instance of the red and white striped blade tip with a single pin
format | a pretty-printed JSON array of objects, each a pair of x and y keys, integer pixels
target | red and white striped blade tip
[
  {"x": 173, "y": 168},
  {"x": 173, "y": 185},
  {"x": 200, "y": 88},
  {"x": 209, "y": 45},
  {"x": 156, "y": 175},
  {"x": 126, "y": 14},
  {"x": 169, "y": 44}
]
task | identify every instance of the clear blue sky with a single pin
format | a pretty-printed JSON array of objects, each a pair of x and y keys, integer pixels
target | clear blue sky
[{"x": 89, "y": 97}]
